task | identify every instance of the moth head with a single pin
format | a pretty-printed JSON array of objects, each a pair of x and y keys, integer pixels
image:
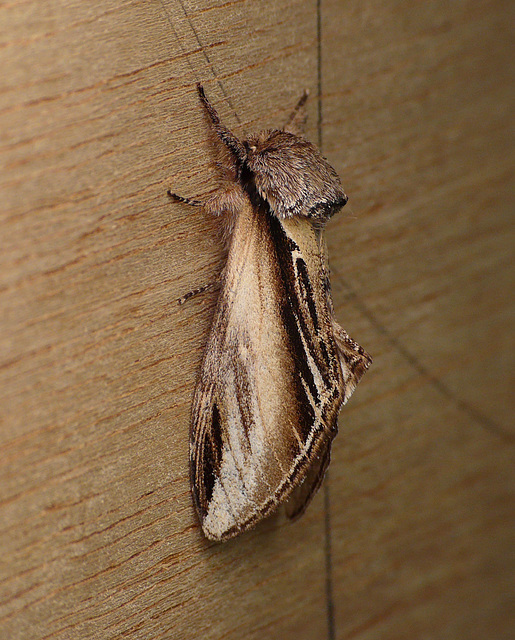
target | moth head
[{"x": 291, "y": 176}]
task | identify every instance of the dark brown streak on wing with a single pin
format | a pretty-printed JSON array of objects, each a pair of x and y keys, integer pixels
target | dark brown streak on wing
[
  {"x": 301, "y": 314},
  {"x": 212, "y": 454},
  {"x": 303, "y": 310},
  {"x": 290, "y": 310},
  {"x": 203, "y": 473},
  {"x": 298, "y": 317},
  {"x": 307, "y": 291},
  {"x": 245, "y": 392},
  {"x": 315, "y": 338},
  {"x": 325, "y": 364}
]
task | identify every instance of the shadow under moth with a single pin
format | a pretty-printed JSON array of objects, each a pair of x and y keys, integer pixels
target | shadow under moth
[{"x": 277, "y": 366}]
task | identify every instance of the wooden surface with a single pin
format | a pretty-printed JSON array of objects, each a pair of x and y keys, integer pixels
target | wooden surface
[{"x": 98, "y": 117}]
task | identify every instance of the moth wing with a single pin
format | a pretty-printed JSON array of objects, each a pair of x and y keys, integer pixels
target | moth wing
[
  {"x": 271, "y": 385},
  {"x": 354, "y": 362},
  {"x": 354, "y": 359},
  {"x": 302, "y": 494}
]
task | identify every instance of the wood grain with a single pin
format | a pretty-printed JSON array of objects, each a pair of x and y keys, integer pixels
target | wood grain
[{"x": 98, "y": 117}]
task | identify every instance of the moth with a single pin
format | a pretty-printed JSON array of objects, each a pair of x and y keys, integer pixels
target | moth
[{"x": 277, "y": 366}]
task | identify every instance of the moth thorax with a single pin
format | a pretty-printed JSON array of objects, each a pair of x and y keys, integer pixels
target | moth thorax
[{"x": 291, "y": 176}]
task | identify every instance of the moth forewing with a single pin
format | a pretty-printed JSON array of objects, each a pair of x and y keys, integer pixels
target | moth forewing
[
  {"x": 277, "y": 367},
  {"x": 271, "y": 383}
]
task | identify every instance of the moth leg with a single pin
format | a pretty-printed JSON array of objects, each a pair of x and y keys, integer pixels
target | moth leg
[
  {"x": 194, "y": 203},
  {"x": 297, "y": 121},
  {"x": 177, "y": 198},
  {"x": 196, "y": 292}
]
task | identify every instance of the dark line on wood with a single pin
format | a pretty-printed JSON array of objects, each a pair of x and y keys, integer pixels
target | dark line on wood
[
  {"x": 319, "y": 74},
  {"x": 206, "y": 56},
  {"x": 329, "y": 598},
  {"x": 479, "y": 418},
  {"x": 331, "y": 635}
]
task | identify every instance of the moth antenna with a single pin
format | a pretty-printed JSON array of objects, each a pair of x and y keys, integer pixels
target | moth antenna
[
  {"x": 225, "y": 135},
  {"x": 297, "y": 119}
]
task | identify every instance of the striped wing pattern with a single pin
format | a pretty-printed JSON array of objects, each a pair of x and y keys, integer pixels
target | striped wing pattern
[{"x": 276, "y": 371}]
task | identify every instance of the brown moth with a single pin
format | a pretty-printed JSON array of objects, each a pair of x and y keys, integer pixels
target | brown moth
[{"x": 277, "y": 366}]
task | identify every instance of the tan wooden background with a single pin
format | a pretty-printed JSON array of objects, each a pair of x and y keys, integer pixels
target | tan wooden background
[{"x": 98, "y": 117}]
